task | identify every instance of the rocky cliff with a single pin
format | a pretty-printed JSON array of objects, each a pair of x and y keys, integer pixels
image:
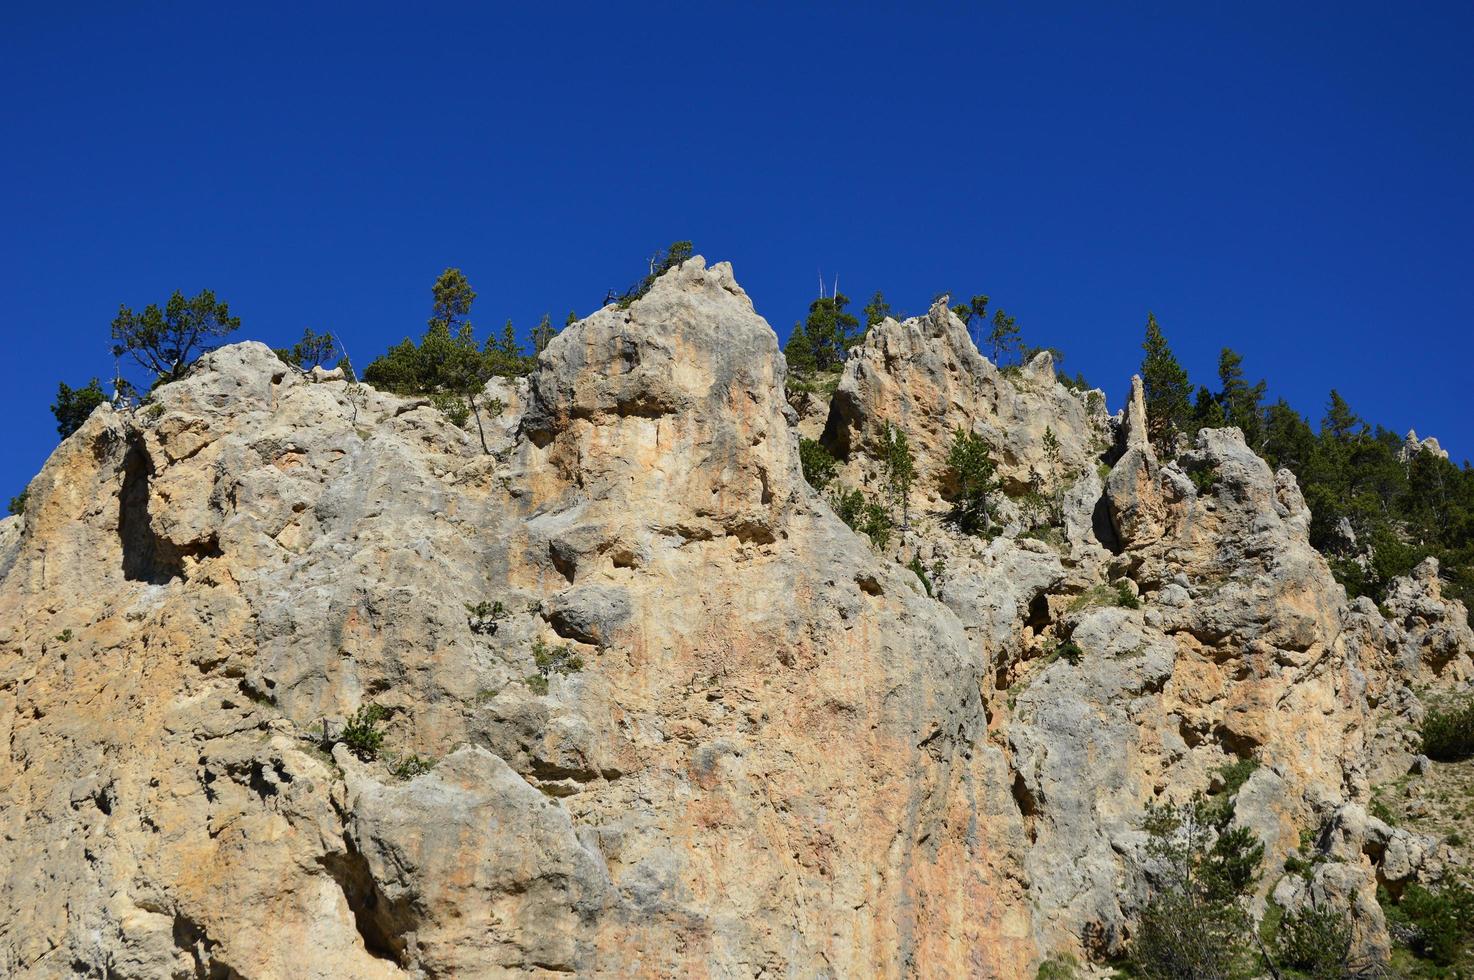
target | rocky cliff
[{"x": 698, "y": 726}]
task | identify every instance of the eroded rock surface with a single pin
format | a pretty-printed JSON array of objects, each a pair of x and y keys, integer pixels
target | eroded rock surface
[{"x": 698, "y": 726}]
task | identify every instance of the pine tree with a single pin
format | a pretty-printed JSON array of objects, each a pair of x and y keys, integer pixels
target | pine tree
[
  {"x": 831, "y": 331},
  {"x": 1340, "y": 422},
  {"x": 74, "y": 405},
  {"x": 1288, "y": 441},
  {"x": 975, "y": 478},
  {"x": 1207, "y": 412},
  {"x": 447, "y": 364},
  {"x": 973, "y": 314},
  {"x": 876, "y": 310},
  {"x": 165, "y": 342},
  {"x": 900, "y": 469},
  {"x": 1004, "y": 338},
  {"x": 1240, "y": 400},
  {"x": 543, "y": 334},
  {"x": 1054, "y": 485},
  {"x": 1167, "y": 390},
  {"x": 313, "y": 349},
  {"x": 453, "y": 297},
  {"x": 798, "y": 352}
]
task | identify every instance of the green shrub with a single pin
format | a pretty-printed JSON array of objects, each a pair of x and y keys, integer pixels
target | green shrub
[
  {"x": 1059, "y": 966},
  {"x": 65, "y": 636},
  {"x": 1051, "y": 536},
  {"x": 660, "y": 263},
  {"x": 813, "y": 381},
  {"x": 1069, "y": 651},
  {"x": 312, "y": 350},
  {"x": 1119, "y": 594},
  {"x": 1439, "y": 924},
  {"x": 1196, "y": 921},
  {"x": 818, "y": 465},
  {"x": 1448, "y": 732},
  {"x": 1235, "y": 774},
  {"x": 482, "y": 617},
  {"x": 1204, "y": 479},
  {"x": 456, "y": 408},
  {"x": 361, "y": 733},
  {"x": 18, "y": 503},
  {"x": 919, "y": 571},
  {"x": 536, "y": 683},
  {"x": 555, "y": 660},
  {"x": 1379, "y": 809},
  {"x": 74, "y": 405},
  {"x": 975, "y": 479},
  {"x": 1315, "y": 942},
  {"x": 1034, "y": 508},
  {"x": 863, "y": 515},
  {"x": 410, "y": 766}
]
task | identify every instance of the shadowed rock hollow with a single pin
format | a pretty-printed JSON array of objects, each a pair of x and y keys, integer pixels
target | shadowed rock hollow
[{"x": 775, "y": 753}]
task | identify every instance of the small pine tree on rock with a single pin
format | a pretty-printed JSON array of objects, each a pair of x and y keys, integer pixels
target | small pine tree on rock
[{"x": 1168, "y": 392}]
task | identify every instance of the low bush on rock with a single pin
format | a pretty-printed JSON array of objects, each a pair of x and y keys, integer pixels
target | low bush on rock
[
  {"x": 919, "y": 570},
  {"x": 550, "y": 661},
  {"x": 1436, "y": 925},
  {"x": 862, "y": 514},
  {"x": 410, "y": 766},
  {"x": 1448, "y": 731},
  {"x": 1196, "y": 922},
  {"x": 482, "y": 617},
  {"x": 1315, "y": 943},
  {"x": 975, "y": 477},
  {"x": 362, "y": 734},
  {"x": 817, "y": 462}
]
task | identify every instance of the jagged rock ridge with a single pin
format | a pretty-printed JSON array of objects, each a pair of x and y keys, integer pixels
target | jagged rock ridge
[{"x": 779, "y": 755}]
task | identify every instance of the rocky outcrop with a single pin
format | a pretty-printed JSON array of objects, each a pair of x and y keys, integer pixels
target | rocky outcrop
[
  {"x": 695, "y": 724},
  {"x": 925, "y": 376},
  {"x": 1431, "y": 633},
  {"x": 1412, "y": 446},
  {"x": 772, "y": 758}
]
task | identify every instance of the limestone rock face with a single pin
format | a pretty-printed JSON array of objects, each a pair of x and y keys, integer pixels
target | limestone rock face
[
  {"x": 1432, "y": 632},
  {"x": 694, "y": 724},
  {"x": 10, "y": 529},
  {"x": 1175, "y": 624},
  {"x": 771, "y": 756},
  {"x": 926, "y": 376}
]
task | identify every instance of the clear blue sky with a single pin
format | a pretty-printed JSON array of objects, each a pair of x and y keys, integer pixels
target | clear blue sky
[{"x": 1296, "y": 183}]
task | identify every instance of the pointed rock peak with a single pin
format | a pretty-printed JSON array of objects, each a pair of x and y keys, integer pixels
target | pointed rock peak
[
  {"x": 1412, "y": 445},
  {"x": 692, "y": 338},
  {"x": 1041, "y": 365},
  {"x": 1135, "y": 420},
  {"x": 694, "y": 273}
]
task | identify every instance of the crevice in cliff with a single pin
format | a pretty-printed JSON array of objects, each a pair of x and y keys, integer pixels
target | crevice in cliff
[
  {"x": 1028, "y": 806},
  {"x": 143, "y": 558},
  {"x": 381, "y": 924},
  {"x": 191, "y": 937},
  {"x": 1104, "y": 527},
  {"x": 147, "y": 557}
]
